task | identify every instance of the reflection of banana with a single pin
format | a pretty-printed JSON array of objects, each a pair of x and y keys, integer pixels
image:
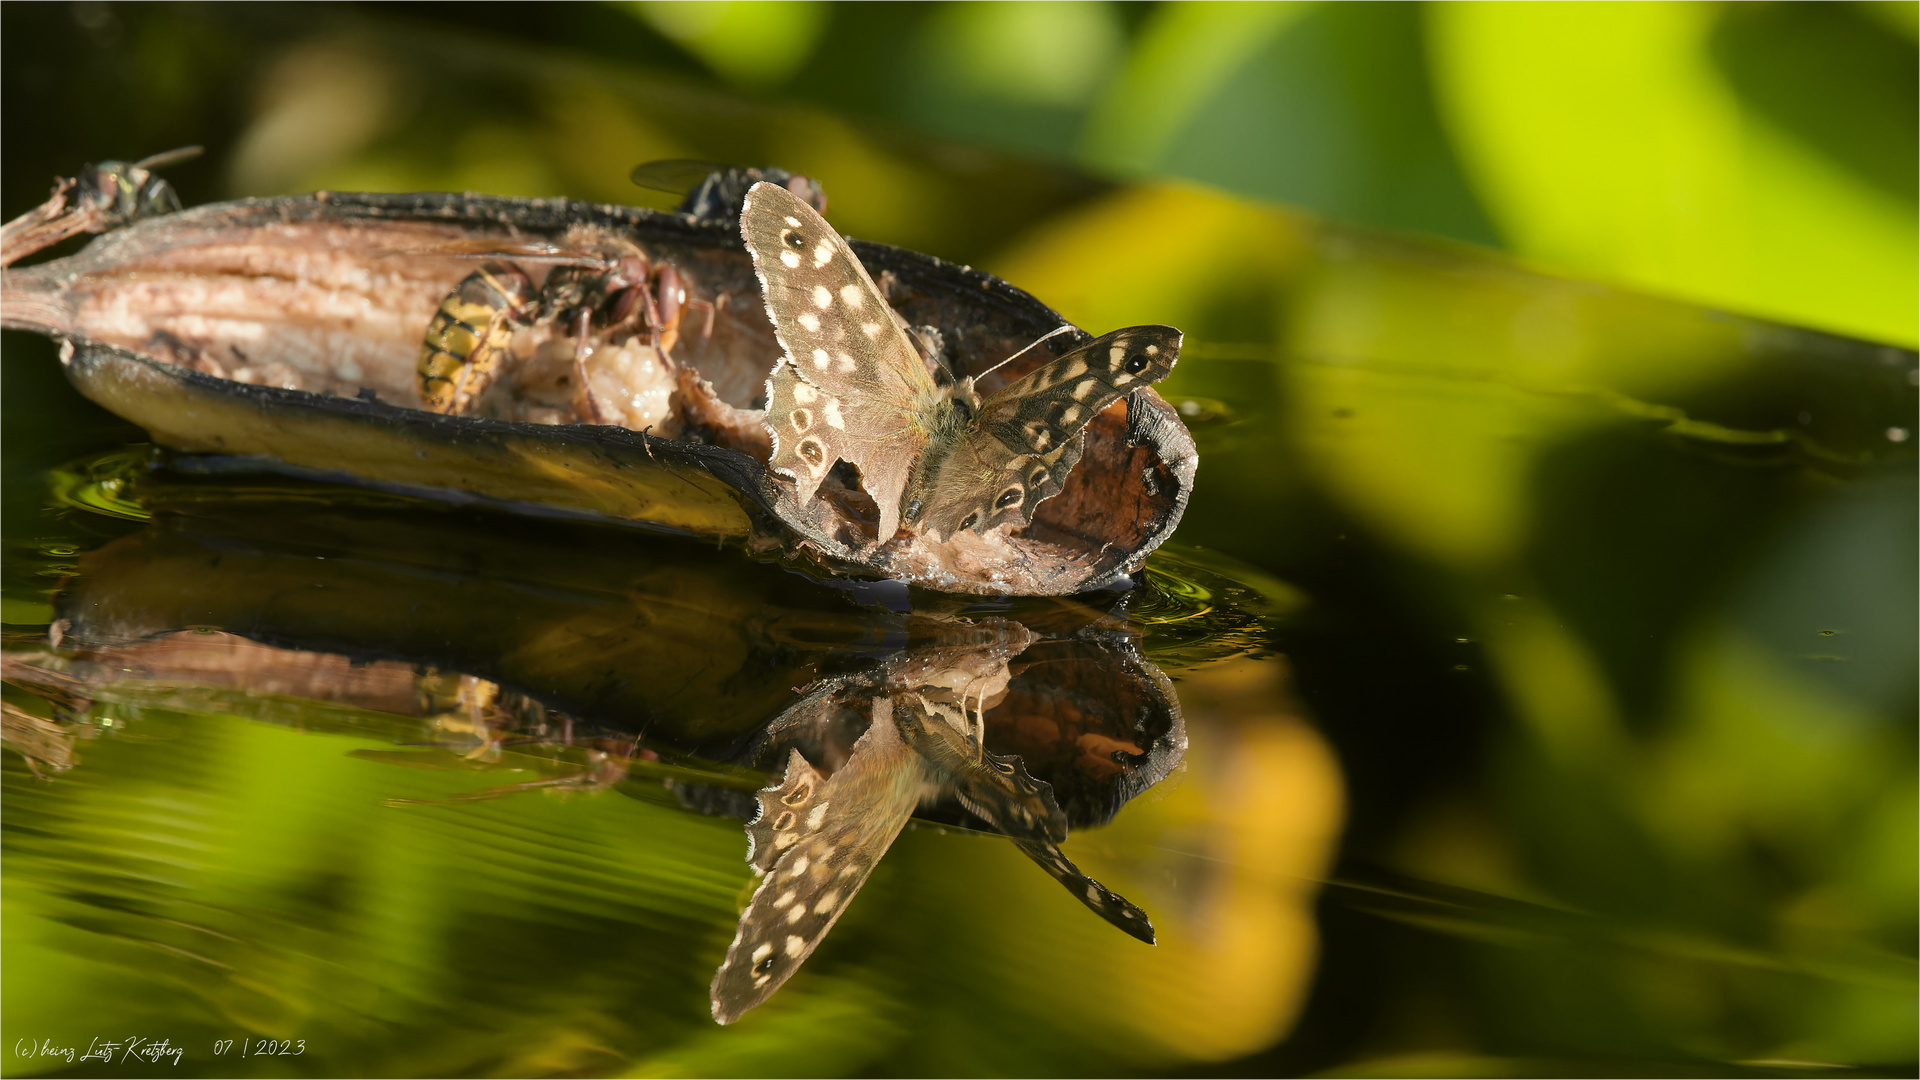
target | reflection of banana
[{"x": 39, "y": 740}]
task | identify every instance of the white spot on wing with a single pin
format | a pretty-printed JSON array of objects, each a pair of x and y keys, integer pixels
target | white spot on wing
[
  {"x": 844, "y": 361},
  {"x": 810, "y": 321},
  {"x": 785, "y": 840},
  {"x": 1080, "y": 392},
  {"x": 850, "y": 293},
  {"x": 796, "y": 913},
  {"x": 822, "y": 253},
  {"x": 819, "y": 813},
  {"x": 760, "y": 953},
  {"x": 790, "y": 259},
  {"x": 822, "y": 299},
  {"x": 820, "y": 359},
  {"x": 871, "y": 329},
  {"x": 795, "y": 945},
  {"x": 799, "y": 867},
  {"x": 793, "y": 222},
  {"x": 803, "y": 393},
  {"x": 785, "y": 899},
  {"x": 833, "y": 420},
  {"x": 826, "y": 902}
]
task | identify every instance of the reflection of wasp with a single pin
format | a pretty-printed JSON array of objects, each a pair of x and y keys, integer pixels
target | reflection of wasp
[{"x": 615, "y": 289}]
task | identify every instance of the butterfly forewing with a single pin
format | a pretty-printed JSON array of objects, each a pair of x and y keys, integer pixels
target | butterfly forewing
[
  {"x": 865, "y": 386},
  {"x": 816, "y": 839}
]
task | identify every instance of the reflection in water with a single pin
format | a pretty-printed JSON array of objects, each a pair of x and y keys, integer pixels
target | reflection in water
[
  {"x": 606, "y": 674},
  {"x": 919, "y": 735}
]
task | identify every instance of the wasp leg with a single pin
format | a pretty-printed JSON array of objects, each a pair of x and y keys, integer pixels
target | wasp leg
[
  {"x": 712, "y": 308},
  {"x": 583, "y": 400},
  {"x": 655, "y": 324}
]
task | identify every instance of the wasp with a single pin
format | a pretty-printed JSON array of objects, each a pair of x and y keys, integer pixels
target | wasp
[{"x": 613, "y": 290}]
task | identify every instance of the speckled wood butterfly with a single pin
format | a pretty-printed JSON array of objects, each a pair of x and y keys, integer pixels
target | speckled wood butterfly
[{"x": 935, "y": 456}]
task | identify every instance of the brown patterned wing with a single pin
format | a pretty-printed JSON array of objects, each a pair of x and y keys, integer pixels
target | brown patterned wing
[
  {"x": 851, "y": 385},
  {"x": 1030, "y": 434},
  {"x": 1039, "y": 413},
  {"x": 816, "y": 839},
  {"x": 1106, "y": 903}
]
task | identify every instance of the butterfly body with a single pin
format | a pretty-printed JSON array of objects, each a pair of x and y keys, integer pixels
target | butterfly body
[{"x": 937, "y": 457}]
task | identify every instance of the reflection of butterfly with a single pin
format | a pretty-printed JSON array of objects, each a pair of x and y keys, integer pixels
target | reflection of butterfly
[
  {"x": 817, "y": 838},
  {"x": 934, "y": 457}
]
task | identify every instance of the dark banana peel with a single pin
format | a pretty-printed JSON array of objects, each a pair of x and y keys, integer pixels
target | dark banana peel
[{"x": 341, "y": 285}]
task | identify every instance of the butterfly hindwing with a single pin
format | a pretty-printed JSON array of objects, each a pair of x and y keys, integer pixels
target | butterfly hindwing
[
  {"x": 980, "y": 484},
  {"x": 815, "y": 840}
]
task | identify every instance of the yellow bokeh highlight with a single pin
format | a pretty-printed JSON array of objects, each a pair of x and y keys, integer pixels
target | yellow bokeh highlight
[
  {"x": 1227, "y": 859},
  {"x": 1155, "y": 253}
]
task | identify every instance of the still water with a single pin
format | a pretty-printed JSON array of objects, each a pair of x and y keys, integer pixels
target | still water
[{"x": 1485, "y": 718}]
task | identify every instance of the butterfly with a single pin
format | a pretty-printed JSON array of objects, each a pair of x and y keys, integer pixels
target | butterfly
[
  {"x": 816, "y": 838},
  {"x": 935, "y": 456}
]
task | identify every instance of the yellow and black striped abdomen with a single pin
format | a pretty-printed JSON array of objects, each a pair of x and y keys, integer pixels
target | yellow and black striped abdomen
[{"x": 469, "y": 335}]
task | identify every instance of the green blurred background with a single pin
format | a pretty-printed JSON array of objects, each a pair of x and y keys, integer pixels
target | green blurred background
[
  {"x": 1754, "y": 157},
  {"x": 1602, "y": 491}
]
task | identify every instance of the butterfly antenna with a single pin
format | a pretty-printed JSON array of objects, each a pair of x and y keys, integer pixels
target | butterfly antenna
[{"x": 1055, "y": 332}]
